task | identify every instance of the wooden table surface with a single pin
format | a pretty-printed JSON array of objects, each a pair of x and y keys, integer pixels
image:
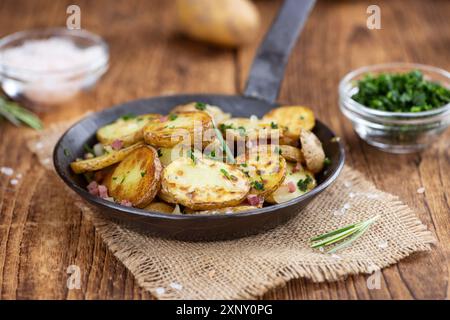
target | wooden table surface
[{"x": 42, "y": 232}]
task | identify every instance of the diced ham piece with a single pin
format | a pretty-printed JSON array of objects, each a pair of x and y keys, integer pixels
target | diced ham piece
[
  {"x": 102, "y": 191},
  {"x": 254, "y": 200},
  {"x": 126, "y": 203},
  {"x": 297, "y": 167},
  {"x": 117, "y": 144},
  {"x": 164, "y": 118},
  {"x": 93, "y": 188},
  {"x": 291, "y": 187}
]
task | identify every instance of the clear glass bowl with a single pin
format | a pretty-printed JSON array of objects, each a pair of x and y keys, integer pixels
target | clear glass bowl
[
  {"x": 395, "y": 132},
  {"x": 43, "y": 87}
]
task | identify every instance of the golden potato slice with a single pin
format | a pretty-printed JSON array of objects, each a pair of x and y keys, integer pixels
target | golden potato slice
[
  {"x": 129, "y": 129},
  {"x": 250, "y": 129},
  {"x": 241, "y": 208},
  {"x": 298, "y": 181},
  {"x": 291, "y": 153},
  {"x": 265, "y": 168},
  {"x": 188, "y": 127},
  {"x": 159, "y": 206},
  {"x": 137, "y": 178},
  {"x": 167, "y": 155},
  {"x": 292, "y": 119},
  {"x": 215, "y": 112},
  {"x": 312, "y": 151},
  {"x": 104, "y": 160},
  {"x": 203, "y": 184}
]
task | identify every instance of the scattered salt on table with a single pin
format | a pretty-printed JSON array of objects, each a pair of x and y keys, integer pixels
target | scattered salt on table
[
  {"x": 7, "y": 171},
  {"x": 421, "y": 190}
]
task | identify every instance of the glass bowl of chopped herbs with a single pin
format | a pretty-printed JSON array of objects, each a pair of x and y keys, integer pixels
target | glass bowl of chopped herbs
[{"x": 397, "y": 107}]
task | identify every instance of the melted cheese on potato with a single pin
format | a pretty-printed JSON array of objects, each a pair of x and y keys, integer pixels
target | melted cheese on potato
[
  {"x": 203, "y": 184},
  {"x": 282, "y": 194}
]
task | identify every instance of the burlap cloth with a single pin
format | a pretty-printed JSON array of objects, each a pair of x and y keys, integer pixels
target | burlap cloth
[{"x": 247, "y": 268}]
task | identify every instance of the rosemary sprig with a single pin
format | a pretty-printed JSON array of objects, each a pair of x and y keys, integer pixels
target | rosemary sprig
[
  {"x": 18, "y": 115},
  {"x": 351, "y": 233}
]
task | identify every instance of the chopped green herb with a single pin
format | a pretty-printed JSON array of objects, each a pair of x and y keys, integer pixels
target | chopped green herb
[
  {"x": 143, "y": 173},
  {"x": 224, "y": 126},
  {"x": 244, "y": 165},
  {"x": 88, "y": 149},
  {"x": 401, "y": 92},
  {"x": 257, "y": 157},
  {"x": 66, "y": 152},
  {"x": 257, "y": 185},
  {"x": 273, "y": 125},
  {"x": 242, "y": 131},
  {"x": 160, "y": 153},
  {"x": 191, "y": 155},
  {"x": 200, "y": 106},
  {"x": 302, "y": 117},
  {"x": 302, "y": 184},
  {"x": 225, "y": 173},
  {"x": 326, "y": 161},
  {"x": 128, "y": 116},
  {"x": 212, "y": 154},
  {"x": 172, "y": 116},
  {"x": 123, "y": 179},
  {"x": 114, "y": 178}
]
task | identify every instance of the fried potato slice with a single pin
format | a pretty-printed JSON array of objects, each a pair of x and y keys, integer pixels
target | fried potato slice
[
  {"x": 128, "y": 129},
  {"x": 291, "y": 153},
  {"x": 292, "y": 119},
  {"x": 250, "y": 129},
  {"x": 104, "y": 160},
  {"x": 167, "y": 155},
  {"x": 159, "y": 206},
  {"x": 241, "y": 208},
  {"x": 293, "y": 176},
  {"x": 312, "y": 151},
  {"x": 214, "y": 111},
  {"x": 265, "y": 168},
  {"x": 187, "y": 127},
  {"x": 137, "y": 178},
  {"x": 203, "y": 184}
]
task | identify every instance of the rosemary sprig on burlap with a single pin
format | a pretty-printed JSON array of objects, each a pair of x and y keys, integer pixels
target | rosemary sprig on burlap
[
  {"x": 348, "y": 233},
  {"x": 18, "y": 115}
]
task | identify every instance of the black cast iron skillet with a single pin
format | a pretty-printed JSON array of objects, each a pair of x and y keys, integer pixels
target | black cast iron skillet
[{"x": 259, "y": 97}]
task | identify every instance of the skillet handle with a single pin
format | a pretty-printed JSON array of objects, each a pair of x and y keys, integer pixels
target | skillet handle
[{"x": 268, "y": 67}]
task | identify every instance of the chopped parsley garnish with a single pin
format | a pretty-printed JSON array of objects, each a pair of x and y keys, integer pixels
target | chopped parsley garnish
[
  {"x": 257, "y": 185},
  {"x": 88, "y": 149},
  {"x": 326, "y": 161},
  {"x": 242, "y": 131},
  {"x": 401, "y": 92},
  {"x": 257, "y": 157},
  {"x": 273, "y": 125},
  {"x": 227, "y": 175},
  {"x": 123, "y": 179},
  {"x": 128, "y": 116},
  {"x": 143, "y": 173},
  {"x": 114, "y": 178},
  {"x": 302, "y": 184},
  {"x": 224, "y": 126},
  {"x": 191, "y": 155},
  {"x": 200, "y": 106},
  {"x": 302, "y": 117},
  {"x": 160, "y": 154},
  {"x": 212, "y": 154},
  {"x": 66, "y": 152},
  {"x": 244, "y": 165},
  {"x": 172, "y": 116}
]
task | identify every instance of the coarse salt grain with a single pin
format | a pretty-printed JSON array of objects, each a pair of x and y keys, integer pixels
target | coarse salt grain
[
  {"x": 421, "y": 190},
  {"x": 39, "y": 145},
  {"x": 176, "y": 286},
  {"x": 159, "y": 291},
  {"x": 14, "y": 182},
  {"x": 383, "y": 244},
  {"x": 19, "y": 176},
  {"x": 7, "y": 171},
  {"x": 335, "y": 256},
  {"x": 347, "y": 184}
]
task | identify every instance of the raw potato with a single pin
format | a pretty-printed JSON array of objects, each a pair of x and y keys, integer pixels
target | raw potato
[
  {"x": 265, "y": 168},
  {"x": 312, "y": 151},
  {"x": 222, "y": 210},
  {"x": 188, "y": 127},
  {"x": 292, "y": 119},
  {"x": 250, "y": 130},
  {"x": 159, "y": 206},
  {"x": 282, "y": 194},
  {"x": 103, "y": 161},
  {"x": 215, "y": 112},
  {"x": 291, "y": 153},
  {"x": 228, "y": 23},
  {"x": 137, "y": 178},
  {"x": 203, "y": 184}
]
